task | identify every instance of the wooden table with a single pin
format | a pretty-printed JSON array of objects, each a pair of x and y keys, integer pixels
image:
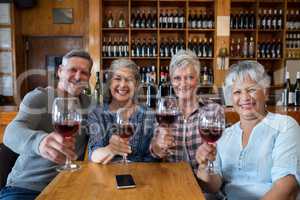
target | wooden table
[{"x": 154, "y": 181}]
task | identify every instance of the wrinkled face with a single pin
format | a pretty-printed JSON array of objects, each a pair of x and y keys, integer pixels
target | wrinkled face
[
  {"x": 185, "y": 82},
  {"x": 248, "y": 98},
  {"x": 74, "y": 76},
  {"x": 122, "y": 86}
]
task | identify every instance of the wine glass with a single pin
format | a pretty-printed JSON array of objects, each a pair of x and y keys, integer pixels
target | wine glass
[
  {"x": 66, "y": 119},
  {"x": 125, "y": 128},
  {"x": 211, "y": 126},
  {"x": 167, "y": 112}
]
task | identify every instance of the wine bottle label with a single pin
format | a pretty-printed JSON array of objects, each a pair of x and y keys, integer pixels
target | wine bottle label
[{"x": 291, "y": 98}]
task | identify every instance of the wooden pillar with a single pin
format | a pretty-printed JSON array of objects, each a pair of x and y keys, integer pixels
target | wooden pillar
[
  {"x": 222, "y": 8},
  {"x": 94, "y": 33}
]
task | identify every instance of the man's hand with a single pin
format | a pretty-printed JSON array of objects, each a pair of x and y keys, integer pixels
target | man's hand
[{"x": 55, "y": 148}]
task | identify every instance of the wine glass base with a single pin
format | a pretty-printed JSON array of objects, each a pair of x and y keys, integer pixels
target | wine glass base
[{"x": 70, "y": 167}]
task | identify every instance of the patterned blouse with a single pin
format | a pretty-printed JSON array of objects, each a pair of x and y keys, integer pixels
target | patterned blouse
[
  {"x": 187, "y": 140},
  {"x": 102, "y": 125}
]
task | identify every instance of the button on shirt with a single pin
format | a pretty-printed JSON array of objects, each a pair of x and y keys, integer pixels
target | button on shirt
[{"x": 272, "y": 152}]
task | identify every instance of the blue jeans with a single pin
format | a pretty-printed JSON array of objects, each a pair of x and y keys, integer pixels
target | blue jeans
[{"x": 16, "y": 193}]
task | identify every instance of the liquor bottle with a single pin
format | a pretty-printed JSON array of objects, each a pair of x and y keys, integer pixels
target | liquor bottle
[
  {"x": 246, "y": 20},
  {"x": 210, "y": 48},
  {"x": 252, "y": 23},
  {"x": 269, "y": 19},
  {"x": 151, "y": 93},
  {"x": 199, "y": 20},
  {"x": 133, "y": 48},
  {"x": 204, "y": 20},
  {"x": 241, "y": 20},
  {"x": 109, "y": 48},
  {"x": 264, "y": 20},
  {"x": 154, "y": 47},
  {"x": 132, "y": 20},
  {"x": 176, "y": 20},
  {"x": 149, "y": 20},
  {"x": 236, "y": 21},
  {"x": 205, "y": 76},
  {"x": 251, "y": 47},
  {"x": 279, "y": 19},
  {"x": 154, "y": 21},
  {"x": 104, "y": 47},
  {"x": 143, "y": 20},
  {"x": 122, "y": 22},
  {"x": 126, "y": 47},
  {"x": 193, "y": 20},
  {"x": 162, "y": 48},
  {"x": 273, "y": 49},
  {"x": 205, "y": 48},
  {"x": 98, "y": 95},
  {"x": 170, "y": 19},
  {"x": 181, "y": 19},
  {"x": 297, "y": 90},
  {"x": 210, "y": 22},
  {"x": 245, "y": 48},
  {"x": 238, "y": 48},
  {"x": 274, "y": 20},
  {"x": 287, "y": 94},
  {"x": 232, "y": 21},
  {"x": 165, "y": 19},
  {"x": 138, "y": 48},
  {"x": 138, "y": 20},
  {"x": 110, "y": 20},
  {"x": 232, "y": 48}
]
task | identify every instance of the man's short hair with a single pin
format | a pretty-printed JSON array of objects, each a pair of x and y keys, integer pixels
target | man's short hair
[{"x": 77, "y": 53}]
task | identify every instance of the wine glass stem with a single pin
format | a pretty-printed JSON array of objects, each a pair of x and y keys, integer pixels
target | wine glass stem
[
  {"x": 124, "y": 159},
  {"x": 68, "y": 161},
  {"x": 210, "y": 167}
]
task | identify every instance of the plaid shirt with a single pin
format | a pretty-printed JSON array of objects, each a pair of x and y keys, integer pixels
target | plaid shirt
[{"x": 187, "y": 140}]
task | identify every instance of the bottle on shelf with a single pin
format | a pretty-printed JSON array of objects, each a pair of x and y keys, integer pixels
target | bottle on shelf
[
  {"x": 110, "y": 20},
  {"x": 122, "y": 22},
  {"x": 297, "y": 90},
  {"x": 287, "y": 93},
  {"x": 181, "y": 19},
  {"x": 232, "y": 48},
  {"x": 251, "y": 48},
  {"x": 245, "y": 48},
  {"x": 98, "y": 94},
  {"x": 137, "y": 20}
]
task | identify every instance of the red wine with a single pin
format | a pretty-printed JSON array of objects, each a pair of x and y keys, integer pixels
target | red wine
[
  {"x": 125, "y": 131},
  {"x": 211, "y": 135},
  {"x": 66, "y": 130},
  {"x": 166, "y": 118}
]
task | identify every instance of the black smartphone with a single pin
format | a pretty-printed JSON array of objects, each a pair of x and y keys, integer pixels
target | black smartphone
[{"x": 125, "y": 181}]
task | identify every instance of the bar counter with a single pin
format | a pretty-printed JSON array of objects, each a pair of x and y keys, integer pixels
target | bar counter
[{"x": 7, "y": 113}]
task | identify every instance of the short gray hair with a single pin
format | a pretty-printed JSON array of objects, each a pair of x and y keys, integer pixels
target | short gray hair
[
  {"x": 182, "y": 59},
  {"x": 241, "y": 70},
  {"x": 115, "y": 66},
  {"x": 77, "y": 53}
]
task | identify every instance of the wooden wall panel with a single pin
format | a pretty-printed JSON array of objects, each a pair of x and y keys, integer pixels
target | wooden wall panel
[{"x": 38, "y": 20}]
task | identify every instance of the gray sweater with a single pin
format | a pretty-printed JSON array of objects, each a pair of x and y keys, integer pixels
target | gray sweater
[{"x": 24, "y": 134}]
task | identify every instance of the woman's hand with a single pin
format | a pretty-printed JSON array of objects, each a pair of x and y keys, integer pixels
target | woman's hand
[
  {"x": 163, "y": 141},
  {"x": 119, "y": 146},
  {"x": 204, "y": 153}
]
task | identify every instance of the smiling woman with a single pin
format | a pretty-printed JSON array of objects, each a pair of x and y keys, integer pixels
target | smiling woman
[
  {"x": 105, "y": 144},
  {"x": 257, "y": 158}
]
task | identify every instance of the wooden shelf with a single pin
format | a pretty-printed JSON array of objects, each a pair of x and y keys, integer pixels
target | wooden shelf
[
  {"x": 171, "y": 29},
  {"x": 241, "y": 58},
  {"x": 116, "y": 29},
  {"x": 112, "y": 58},
  {"x": 243, "y": 30},
  {"x": 144, "y": 58},
  {"x": 270, "y": 59},
  {"x": 144, "y": 29},
  {"x": 270, "y": 30},
  {"x": 293, "y": 31},
  {"x": 201, "y": 30},
  {"x": 292, "y": 49}
]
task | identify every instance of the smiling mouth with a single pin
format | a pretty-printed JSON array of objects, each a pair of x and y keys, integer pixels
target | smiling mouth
[
  {"x": 122, "y": 92},
  {"x": 247, "y": 106}
]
